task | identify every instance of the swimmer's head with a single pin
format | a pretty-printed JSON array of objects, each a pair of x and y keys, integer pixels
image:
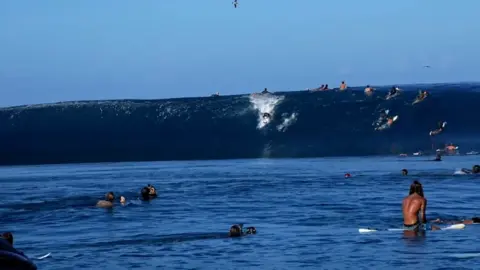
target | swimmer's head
[
  {"x": 404, "y": 172},
  {"x": 235, "y": 231},
  {"x": 122, "y": 199},
  {"x": 251, "y": 230},
  {"x": 476, "y": 169},
  {"x": 109, "y": 196},
  {"x": 8, "y": 236},
  {"x": 416, "y": 187},
  {"x": 368, "y": 85},
  {"x": 145, "y": 192},
  {"x": 347, "y": 175},
  {"x": 152, "y": 190}
]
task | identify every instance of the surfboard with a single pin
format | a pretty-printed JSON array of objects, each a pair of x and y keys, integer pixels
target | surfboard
[
  {"x": 417, "y": 101},
  {"x": 392, "y": 96},
  {"x": 44, "y": 256},
  {"x": 451, "y": 227},
  {"x": 385, "y": 126}
]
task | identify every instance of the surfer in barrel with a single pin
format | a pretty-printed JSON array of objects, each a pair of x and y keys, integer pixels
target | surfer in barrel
[{"x": 414, "y": 208}]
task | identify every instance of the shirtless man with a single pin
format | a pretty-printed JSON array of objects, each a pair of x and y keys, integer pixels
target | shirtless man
[
  {"x": 343, "y": 86},
  {"x": 108, "y": 202},
  {"x": 413, "y": 205}
]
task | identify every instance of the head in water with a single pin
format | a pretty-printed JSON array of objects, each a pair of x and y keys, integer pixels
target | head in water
[
  {"x": 416, "y": 187},
  {"x": 404, "y": 172},
  {"x": 145, "y": 192},
  {"x": 476, "y": 169},
  {"x": 152, "y": 190},
  {"x": 8, "y": 236},
  {"x": 251, "y": 230},
  {"x": 109, "y": 196},
  {"x": 235, "y": 231},
  {"x": 122, "y": 200}
]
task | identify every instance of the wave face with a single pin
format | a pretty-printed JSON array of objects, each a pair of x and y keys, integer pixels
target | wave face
[{"x": 303, "y": 124}]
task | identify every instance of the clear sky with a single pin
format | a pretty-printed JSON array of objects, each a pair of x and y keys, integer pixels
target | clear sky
[{"x": 59, "y": 50}]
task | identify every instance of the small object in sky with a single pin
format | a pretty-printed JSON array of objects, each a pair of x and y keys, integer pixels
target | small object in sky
[
  {"x": 235, "y": 3},
  {"x": 427, "y": 66}
]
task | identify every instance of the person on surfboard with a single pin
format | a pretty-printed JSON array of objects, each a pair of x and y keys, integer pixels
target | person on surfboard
[
  {"x": 413, "y": 206},
  {"x": 441, "y": 127},
  {"x": 474, "y": 220}
]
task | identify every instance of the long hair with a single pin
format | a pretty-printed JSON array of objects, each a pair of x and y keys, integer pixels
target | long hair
[{"x": 416, "y": 187}]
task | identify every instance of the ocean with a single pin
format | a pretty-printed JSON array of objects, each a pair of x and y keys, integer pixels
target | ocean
[
  {"x": 303, "y": 124},
  {"x": 307, "y": 215}
]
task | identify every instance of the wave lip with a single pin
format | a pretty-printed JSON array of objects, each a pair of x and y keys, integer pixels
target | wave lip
[{"x": 302, "y": 124}]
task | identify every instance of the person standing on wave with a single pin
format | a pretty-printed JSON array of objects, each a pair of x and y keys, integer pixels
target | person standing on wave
[{"x": 343, "y": 86}]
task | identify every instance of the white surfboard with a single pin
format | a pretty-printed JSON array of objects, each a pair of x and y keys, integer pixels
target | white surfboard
[
  {"x": 451, "y": 227},
  {"x": 44, "y": 256}
]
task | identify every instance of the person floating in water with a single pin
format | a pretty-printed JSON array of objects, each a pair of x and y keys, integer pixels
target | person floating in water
[
  {"x": 404, "y": 172},
  {"x": 475, "y": 170},
  {"x": 438, "y": 157},
  {"x": 441, "y": 127},
  {"x": 413, "y": 206},
  {"x": 369, "y": 90},
  {"x": 108, "y": 202},
  {"x": 474, "y": 220},
  {"x": 237, "y": 230},
  {"x": 343, "y": 86},
  {"x": 149, "y": 192},
  {"x": 267, "y": 116},
  {"x": 235, "y": 3}
]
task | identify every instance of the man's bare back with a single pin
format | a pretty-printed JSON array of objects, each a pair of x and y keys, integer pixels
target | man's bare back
[{"x": 413, "y": 205}]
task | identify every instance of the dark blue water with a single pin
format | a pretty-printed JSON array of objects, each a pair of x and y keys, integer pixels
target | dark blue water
[
  {"x": 304, "y": 124},
  {"x": 306, "y": 213}
]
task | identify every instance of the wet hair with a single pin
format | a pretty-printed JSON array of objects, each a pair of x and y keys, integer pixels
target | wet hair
[
  {"x": 404, "y": 172},
  {"x": 110, "y": 196},
  {"x": 476, "y": 169},
  {"x": 8, "y": 236},
  {"x": 416, "y": 187},
  {"x": 235, "y": 231},
  {"x": 476, "y": 219},
  {"x": 145, "y": 192}
]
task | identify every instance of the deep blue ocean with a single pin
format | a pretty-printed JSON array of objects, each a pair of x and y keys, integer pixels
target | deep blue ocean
[
  {"x": 216, "y": 163},
  {"x": 303, "y": 124},
  {"x": 306, "y": 213}
]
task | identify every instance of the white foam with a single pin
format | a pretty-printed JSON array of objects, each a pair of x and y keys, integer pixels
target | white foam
[
  {"x": 287, "y": 121},
  {"x": 265, "y": 103}
]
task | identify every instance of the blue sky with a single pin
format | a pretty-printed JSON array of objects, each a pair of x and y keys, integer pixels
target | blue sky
[{"x": 57, "y": 50}]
